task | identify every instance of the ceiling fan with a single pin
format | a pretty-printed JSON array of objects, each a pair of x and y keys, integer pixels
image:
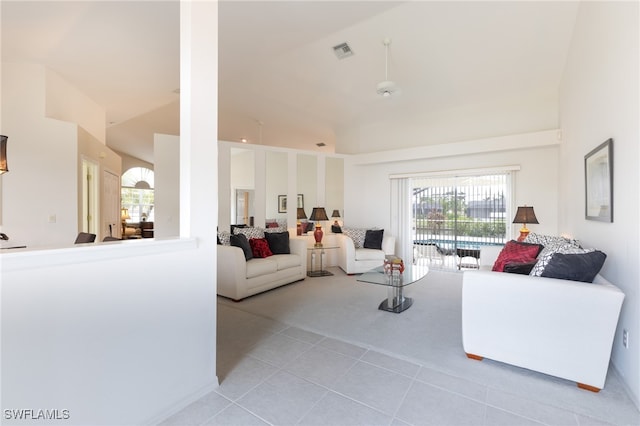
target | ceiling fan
[{"x": 387, "y": 87}]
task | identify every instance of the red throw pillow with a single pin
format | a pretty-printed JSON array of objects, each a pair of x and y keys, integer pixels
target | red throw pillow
[
  {"x": 516, "y": 252},
  {"x": 260, "y": 247}
]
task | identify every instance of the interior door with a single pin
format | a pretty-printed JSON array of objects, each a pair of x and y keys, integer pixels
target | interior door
[
  {"x": 244, "y": 206},
  {"x": 111, "y": 205}
]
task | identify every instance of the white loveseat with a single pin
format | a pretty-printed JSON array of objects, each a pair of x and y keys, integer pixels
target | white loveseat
[
  {"x": 354, "y": 260},
  {"x": 557, "y": 327},
  {"x": 239, "y": 278}
]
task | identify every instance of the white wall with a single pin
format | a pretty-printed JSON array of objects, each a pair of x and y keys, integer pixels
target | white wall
[
  {"x": 123, "y": 332},
  {"x": 65, "y": 102},
  {"x": 368, "y": 188},
  {"x": 599, "y": 100},
  {"x": 276, "y": 183},
  {"x": 166, "y": 152},
  {"x": 118, "y": 334},
  {"x": 129, "y": 162},
  {"x": 42, "y": 156}
]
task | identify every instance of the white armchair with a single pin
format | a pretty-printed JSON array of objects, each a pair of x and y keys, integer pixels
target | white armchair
[
  {"x": 354, "y": 260},
  {"x": 557, "y": 327}
]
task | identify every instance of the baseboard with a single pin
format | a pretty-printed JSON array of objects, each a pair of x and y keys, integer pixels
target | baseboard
[
  {"x": 632, "y": 396},
  {"x": 182, "y": 403}
]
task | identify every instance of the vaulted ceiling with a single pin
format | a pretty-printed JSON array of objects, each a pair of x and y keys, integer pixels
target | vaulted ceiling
[{"x": 464, "y": 69}]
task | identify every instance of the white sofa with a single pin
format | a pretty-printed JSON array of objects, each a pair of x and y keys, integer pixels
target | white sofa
[
  {"x": 553, "y": 326},
  {"x": 354, "y": 260},
  {"x": 239, "y": 278}
]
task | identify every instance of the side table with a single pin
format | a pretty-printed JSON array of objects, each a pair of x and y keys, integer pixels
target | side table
[{"x": 319, "y": 252}]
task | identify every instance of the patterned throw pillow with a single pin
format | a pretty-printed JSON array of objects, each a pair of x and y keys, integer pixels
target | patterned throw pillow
[
  {"x": 260, "y": 247},
  {"x": 276, "y": 229},
  {"x": 357, "y": 235},
  {"x": 551, "y": 249},
  {"x": 224, "y": 237},
  {"x": 546, "y": 240},
  {"x": 250, "y": 232},
  {"x": 516, "y": 252}
]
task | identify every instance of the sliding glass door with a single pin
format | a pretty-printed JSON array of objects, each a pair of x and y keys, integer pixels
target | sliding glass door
[{"x": 453, "y": 216}]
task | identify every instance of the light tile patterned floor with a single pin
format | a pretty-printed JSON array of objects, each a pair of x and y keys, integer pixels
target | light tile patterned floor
[{"x": 273, "y": 374}]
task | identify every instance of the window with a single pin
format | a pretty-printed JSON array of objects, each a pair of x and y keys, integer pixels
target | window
[
  {"x": 137, "y": 193},
  {"x": 456, "y": 215}
]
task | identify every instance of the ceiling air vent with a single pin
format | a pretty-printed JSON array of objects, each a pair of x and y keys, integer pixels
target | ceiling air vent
[{"x": 342, "y": 51}]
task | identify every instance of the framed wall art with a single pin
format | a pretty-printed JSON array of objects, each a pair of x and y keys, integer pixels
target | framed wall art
[
  {"x": 282, "y": 203},
  {"x": 598, "y": 181}
]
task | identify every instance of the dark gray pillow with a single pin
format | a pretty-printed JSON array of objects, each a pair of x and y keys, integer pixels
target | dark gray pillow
[
  {"x": 576, "y": 267},
  {"x": 278, "y": 242},
  {"x": 239, "y": 240},
  {"x": 519, "y": 268},
  {"x": 373, "y": 239}
]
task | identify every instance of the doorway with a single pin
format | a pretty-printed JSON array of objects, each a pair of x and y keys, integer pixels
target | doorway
[
  {"x": 454, "y": 216},
  {"x": 90, "y": 197},
  {"x": 244, "y": 207}
]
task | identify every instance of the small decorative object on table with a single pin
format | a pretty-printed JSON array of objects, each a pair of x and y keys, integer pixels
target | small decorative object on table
[{"x": 393, "y": 263}]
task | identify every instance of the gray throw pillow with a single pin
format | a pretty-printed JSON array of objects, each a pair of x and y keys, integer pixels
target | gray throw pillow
[
  {"x": 373, "y": 239},
  {"x": 278, "y": 242},
  {"x": 239, "y": 240},
  {"x": 576, "y": 267}
]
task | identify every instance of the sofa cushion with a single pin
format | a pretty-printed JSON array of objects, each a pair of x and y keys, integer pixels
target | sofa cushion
[
  {"x": 516, "y": 252},
  {"x": 369, "y": 254},
  {"x": 257, "y": 267},
  {"x": 356, "y": 235},
  {"x": 549, "y": 250},
  {"x": 224, "y": 238},
  {"x": 546, "y": 240},
  {"x": 286, "y": 261},
  {"x": 519, "y": 268},
  {"x": 250, "y": 232},
  {"x": 260, "y": 247},
  {"x": 239, "y": 240},
  {"x": 278, "y": 242},
  {"x": 373, "y": 239},
  {"x": 576, "y": 267}
]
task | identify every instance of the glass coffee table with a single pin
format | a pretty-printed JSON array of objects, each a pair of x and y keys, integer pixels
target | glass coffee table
[{"x": 396, "y": 282}]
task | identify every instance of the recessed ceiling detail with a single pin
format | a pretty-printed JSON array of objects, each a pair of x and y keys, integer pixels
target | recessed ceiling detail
[{"x": 342, "y": 51}]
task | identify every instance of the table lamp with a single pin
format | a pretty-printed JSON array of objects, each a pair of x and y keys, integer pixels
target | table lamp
[
  {"x": 3, "y": 154},
  {"x": 335, "y": 228},
  {"x": 317, "y": 215},
  {"x": 525, "y": 215},
  {"x": 301, "y": 215}
]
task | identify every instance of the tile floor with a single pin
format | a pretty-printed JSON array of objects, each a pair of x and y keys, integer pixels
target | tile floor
[{"x": 274, "y": 374}]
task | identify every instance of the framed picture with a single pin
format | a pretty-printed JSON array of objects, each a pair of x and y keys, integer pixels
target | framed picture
[
  {"x": 282, "y": 203},
  {"x": 598, "y": 181}
]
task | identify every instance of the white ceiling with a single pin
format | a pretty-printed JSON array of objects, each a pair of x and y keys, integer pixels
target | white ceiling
[{"x": 279, "y": 80}]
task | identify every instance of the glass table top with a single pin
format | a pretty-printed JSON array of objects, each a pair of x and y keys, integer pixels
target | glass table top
[{"x": 411, "y": 274}]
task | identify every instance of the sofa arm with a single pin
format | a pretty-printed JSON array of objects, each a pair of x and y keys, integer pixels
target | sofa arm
[
  {"x": 299, "y": 246},
  {"x": 388, "y": 244},
  {"x": 231, "y": 272},
  {"x": 346, "y": 253},
  {"x": 558, "y": 327}
]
